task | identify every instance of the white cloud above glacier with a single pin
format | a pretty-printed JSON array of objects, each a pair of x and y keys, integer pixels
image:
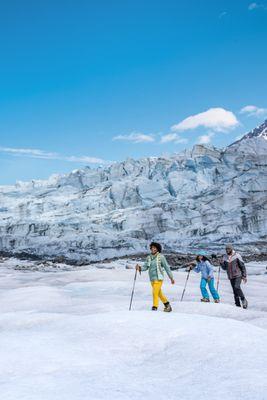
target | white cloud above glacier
[{"x": 217, "y": 119}]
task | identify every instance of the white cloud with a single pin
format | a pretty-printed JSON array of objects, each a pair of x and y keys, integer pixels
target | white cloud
[
  {"x": 84, "y": 159},
  {"x": 218, "y": 119},
  {"x": 254, "y": 111},
  {"x": 28, "y": 152},
  {"x": 172, "y": 137},
  {"x": 36, "y": 153},
  {"x": 205, "y": 139},
  {"x": 223, "y": 14},
  {"x": 136, "y": 137},
  {"x": 254, "y": 6}
]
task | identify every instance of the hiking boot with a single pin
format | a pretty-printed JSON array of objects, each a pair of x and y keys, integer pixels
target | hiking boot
[
  {"x": 237, "y": 301},
  {"x": 167, "y": 307},
  {"x": 217, "y": 301},
  {"x": 244, "y": 303},
  {"x": 154, "y": 308},
  {"x": 204, "y": 300}
]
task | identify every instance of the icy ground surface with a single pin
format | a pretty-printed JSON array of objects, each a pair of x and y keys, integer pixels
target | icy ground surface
[{"x": 68, "y": 335}]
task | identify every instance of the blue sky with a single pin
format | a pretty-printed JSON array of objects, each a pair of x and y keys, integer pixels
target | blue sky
[{"x": 87, "y": 82}]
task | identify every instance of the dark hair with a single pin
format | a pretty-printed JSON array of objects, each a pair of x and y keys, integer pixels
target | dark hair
[
  {"x": 157, "y": 245},
  {"x": 204, "y": 258}
]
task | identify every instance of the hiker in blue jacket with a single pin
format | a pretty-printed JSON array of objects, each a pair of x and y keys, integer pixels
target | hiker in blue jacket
[{"x": 207, "y": 277}]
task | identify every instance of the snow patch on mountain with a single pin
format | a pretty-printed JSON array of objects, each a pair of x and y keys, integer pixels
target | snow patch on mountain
[{"x": 259, "y": 131}]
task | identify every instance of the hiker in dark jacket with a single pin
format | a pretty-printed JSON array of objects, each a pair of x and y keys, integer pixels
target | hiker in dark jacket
[{"x": 234, "y": 265}]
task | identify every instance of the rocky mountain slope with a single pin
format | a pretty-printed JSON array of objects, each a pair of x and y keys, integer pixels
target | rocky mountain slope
[{"x": 200, "y": 197}]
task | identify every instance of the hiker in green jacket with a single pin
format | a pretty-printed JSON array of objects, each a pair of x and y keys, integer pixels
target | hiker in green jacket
[{"x": 156, "y": 263}]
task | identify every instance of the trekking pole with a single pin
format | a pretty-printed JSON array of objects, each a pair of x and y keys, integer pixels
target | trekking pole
[
  {"x": 213, "y": 256},
  {"x": 218, "y": 278},
  {"x": 135, "y": 275},
  {"x": 185, "y": 284}
]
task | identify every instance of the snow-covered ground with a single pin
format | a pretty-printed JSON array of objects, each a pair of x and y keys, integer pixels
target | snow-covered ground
[{"x": 68, "y": 335}]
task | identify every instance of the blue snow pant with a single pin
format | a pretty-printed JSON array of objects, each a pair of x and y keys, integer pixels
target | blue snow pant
[{"x": 213, "y": 291}]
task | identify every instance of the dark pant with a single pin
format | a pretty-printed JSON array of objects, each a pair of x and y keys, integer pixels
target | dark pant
[{"x": 238, "y": 294}]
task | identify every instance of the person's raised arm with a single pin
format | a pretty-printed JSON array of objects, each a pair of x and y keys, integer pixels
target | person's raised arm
[
  {"x": 195, "y": 268},
  {"x": 223, "y": 264},
  {"x": 143, "y": 267}
]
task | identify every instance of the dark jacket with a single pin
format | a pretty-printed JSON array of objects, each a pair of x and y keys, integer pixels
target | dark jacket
[{"x": 234, "y": 266}]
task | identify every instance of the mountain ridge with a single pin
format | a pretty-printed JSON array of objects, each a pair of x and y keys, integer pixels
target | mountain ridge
[
  {"x": 259, "y": 131},
  {"x": 201, "y": 197}
]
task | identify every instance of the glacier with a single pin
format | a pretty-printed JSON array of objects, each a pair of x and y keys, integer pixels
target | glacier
[{"x": 201, "y": 197}]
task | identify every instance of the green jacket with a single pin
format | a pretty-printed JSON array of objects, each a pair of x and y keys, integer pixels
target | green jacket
[{"x": 156, "y": 266}]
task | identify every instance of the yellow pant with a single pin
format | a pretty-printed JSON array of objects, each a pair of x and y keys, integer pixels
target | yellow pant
[{"x": 157, "y": 293}]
